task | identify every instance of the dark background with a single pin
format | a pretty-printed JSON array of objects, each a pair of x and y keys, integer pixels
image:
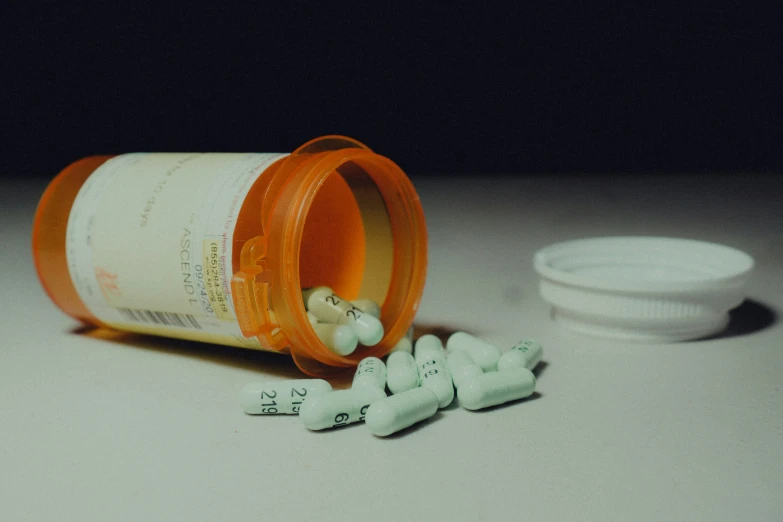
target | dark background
[{"x": 440, "y": 88}]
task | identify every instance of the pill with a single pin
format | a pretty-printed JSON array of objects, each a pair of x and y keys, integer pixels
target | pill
[
  {"x": 312, "y": 318},
  {"x": 401, "y": 372},
  {"x": 526, "y": 354},
  {"x": 368, "y": 306},
  {"x": 399, "y": 411},
  {"x": 276, "y": 397},
  {"x": 328, "y": 307},
  {"x": 429, "y": 344},
  {"x": 433, "y": 372},
  {"x": 490, "y": 389},
  {"x": 483, "y": 353},
  {"x": 370, "y": 372},
  {"x": 339, "y": 338},
  {"x": 409, "y": 334},
  {"x": 461, "y": 366},
  {"x": 339, "y": 408},
  {"x": 403, "y": 345}
]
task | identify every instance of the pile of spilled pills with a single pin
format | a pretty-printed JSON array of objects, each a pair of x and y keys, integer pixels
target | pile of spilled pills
[{"x": 421, "y": 381}]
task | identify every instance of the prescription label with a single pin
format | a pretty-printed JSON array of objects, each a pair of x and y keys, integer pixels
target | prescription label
[{"x": 149, "y": 242}]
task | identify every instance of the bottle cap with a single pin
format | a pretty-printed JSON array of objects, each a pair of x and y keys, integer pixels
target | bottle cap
[{"x": 646, "y": 289}]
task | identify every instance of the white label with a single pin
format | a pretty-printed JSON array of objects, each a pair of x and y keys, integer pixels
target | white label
[{"x": 149, "y": 242}]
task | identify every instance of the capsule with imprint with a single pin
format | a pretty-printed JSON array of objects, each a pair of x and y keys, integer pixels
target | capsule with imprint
[
  {"x": 339, "y": 408},
  {"x": 526, "y": 354},
  {"x": 329, "y": 307},
  {"x": 370, "y": 372},
  {"x": 280, "y": 397},
  {"x": 433, "y": 371}
]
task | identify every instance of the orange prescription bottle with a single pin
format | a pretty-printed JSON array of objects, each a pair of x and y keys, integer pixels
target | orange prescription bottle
[{"x": 218, "y": 247}]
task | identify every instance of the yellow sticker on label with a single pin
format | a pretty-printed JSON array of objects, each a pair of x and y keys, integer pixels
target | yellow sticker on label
[{"x": 214, "y": 281}]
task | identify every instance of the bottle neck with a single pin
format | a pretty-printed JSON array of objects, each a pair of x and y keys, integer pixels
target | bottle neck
[{"x": 346, "y": 218}]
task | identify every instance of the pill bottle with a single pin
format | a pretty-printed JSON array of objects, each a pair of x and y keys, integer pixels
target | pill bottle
[{"x": 218, "y": 247}]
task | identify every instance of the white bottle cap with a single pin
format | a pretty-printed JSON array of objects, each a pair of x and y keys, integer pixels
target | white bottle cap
[{"x": 647, "y": 289}]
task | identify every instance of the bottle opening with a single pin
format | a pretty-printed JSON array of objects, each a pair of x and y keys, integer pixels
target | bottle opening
[{"x": 360, "y": 231}]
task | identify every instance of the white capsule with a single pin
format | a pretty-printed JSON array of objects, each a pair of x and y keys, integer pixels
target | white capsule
[
  {"x": 403, "y": 345},
  {"x": 526, "y": 354},
  {"x": 370, "y": 372},
  {"x": 273, "y": 397},
  {"x": 339, "y": 408},
  {"x": 312, "y": 318},
  {"x": 368, "y": 306},
  {"x": 409, "y": 334},
  {"x": 433, "y": 371},
  {"x": 427, "y": 345},
  {"x": 329, "y": 307},
  {"x": 490, "y": 389},
  {"x": 399, "y": 411},
  {"x": 339, "y": 338},
  {"x": 483, "y": 353},
  {"x": 461, "y": 366},
  {"x": 401, "y": 372}
]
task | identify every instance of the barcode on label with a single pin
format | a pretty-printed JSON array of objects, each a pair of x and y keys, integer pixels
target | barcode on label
[{"x": 165, "y": 318}]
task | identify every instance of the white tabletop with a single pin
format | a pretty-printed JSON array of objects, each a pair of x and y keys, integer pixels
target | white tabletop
[{"x": 103, "y": 426}]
